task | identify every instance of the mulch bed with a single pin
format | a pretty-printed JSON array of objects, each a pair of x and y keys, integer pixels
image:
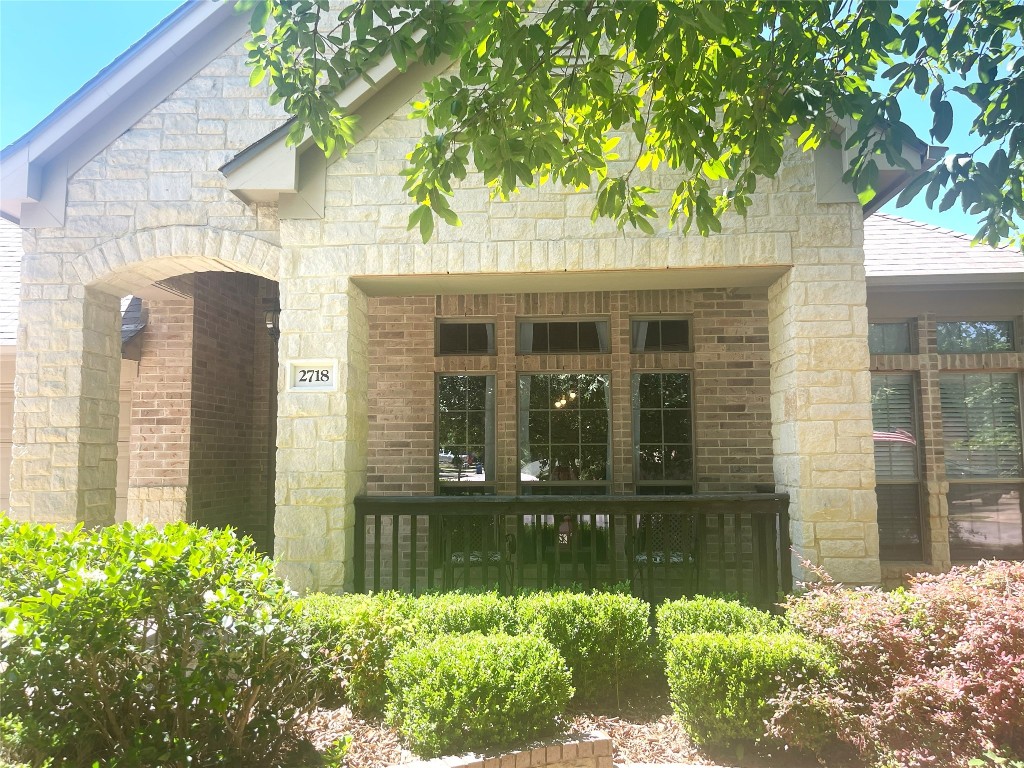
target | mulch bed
[{"x": 642, "y": 731}]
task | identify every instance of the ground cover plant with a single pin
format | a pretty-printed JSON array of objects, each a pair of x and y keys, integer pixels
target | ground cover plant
[
  {"x": 132, "y": 646},
  {"x": 928, "y": 675}
]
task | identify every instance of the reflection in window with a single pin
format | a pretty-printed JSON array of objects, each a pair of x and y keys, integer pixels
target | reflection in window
[
  {"x": 975, "y": 336},
  {"x": 465, "y": 434},
  {"x": 564, "y": 431},
  {"x": 896, "y": 467},
  {"x": 663, "y": 432},
  {"x": 660, "y": 336},
  {"x": 984, "y": 464},
  {"x": 465, "y": 338},
  {"x": 889, "y": 338},
  {"x": 545, "y": 336}
]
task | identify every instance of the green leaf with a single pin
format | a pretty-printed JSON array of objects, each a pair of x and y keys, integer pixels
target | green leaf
[
  {"x": 942, "y": 121},
  {"x": 426, "y": 223},
  {"x": 911, "y": 190}
]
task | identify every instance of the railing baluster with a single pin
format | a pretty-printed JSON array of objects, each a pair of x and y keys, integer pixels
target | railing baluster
[
  {"x": 376, "y": 552},
  {"x": 396, "y": 559},
  {"x": 359, "y": 546},
  {"x": 414, "y": 544},
  {"x": 721, "y": 555}
]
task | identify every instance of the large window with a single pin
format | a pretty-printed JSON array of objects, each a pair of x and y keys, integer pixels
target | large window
[
  {"x": 465, "y": 434},
  {"x": 984, "y": 466},
  {"x": 564, "y": 433},
  {"x": 662, "y": 433},
  {"x": 897, "y": 485}
]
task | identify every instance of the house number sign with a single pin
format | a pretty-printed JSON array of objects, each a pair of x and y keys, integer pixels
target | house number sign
[{"x": 313, "y": 375}]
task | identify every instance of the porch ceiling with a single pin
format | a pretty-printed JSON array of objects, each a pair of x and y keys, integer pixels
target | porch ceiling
[{"x": 583, "y": 280}]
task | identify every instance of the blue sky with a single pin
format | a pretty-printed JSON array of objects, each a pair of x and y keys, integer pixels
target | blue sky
[{"x": 50, "y": 48}]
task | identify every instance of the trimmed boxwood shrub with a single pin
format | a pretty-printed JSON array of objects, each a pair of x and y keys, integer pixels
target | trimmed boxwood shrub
[
  {"x": 354, "y": 638},
  {"x": 711, "y": 614},
  {"x": 134, "y": 646},
  {"x": 453, "y": 613},
  {"x": 722, "y": 686},
  {"x": 604, "y": 637},
  {"x": 474, "y": 692}
]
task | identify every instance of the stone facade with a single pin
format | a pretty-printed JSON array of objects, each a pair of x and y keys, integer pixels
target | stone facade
[{"x": 154, "y": 205}]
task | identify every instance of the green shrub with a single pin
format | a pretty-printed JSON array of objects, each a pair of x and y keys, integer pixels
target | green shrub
[
  {"x": 475, "y": 692},
  {"x": 136, "y": 646},
  {"x": 721, "y": 686},
  {"x": 455, "y": 613},
  {"x": 354, "y": 638},
  {"x": 604, "y": 637},
  {"x": 711, "y": 614}
]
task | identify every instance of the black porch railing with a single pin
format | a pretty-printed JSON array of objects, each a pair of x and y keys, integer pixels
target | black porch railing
[{"x": 663, "y": 546}]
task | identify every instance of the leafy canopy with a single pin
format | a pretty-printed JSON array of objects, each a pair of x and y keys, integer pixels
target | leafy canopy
[{"x": 545, "y": 92}]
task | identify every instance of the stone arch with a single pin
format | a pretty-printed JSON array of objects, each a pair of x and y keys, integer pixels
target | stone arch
[{"x": 129, "y": 263}]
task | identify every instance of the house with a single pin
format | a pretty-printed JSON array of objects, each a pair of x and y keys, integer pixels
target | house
[{"x": 530, "y": 395}]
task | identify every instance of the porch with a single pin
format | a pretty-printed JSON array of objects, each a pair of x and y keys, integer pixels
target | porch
[{"x": 663, "y": 547}]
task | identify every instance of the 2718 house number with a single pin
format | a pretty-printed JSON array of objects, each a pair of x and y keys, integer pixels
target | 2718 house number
[{"x": 312, "y": 375}]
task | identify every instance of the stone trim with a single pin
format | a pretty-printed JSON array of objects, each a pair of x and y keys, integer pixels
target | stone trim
[{"x": 593, "y": 750}]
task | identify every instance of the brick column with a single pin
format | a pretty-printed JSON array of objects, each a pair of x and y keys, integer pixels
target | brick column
[
  {"x": 821, "y": 417},
  {"x": 936, "y": 532},
  {"x": 64, "y": 468},
  {"x": 321, "y": 436}
]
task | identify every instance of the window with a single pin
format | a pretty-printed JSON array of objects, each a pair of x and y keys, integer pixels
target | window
[
  {"x": 564, "y": 433},
  {"x": 974, "y": 336},
  {"x": 660, "y": 335},
  {"x": 551, "y": 336},
  {"x": 465, "y": 434},
  {"x": 984, "y": 466},
  {"x": 893, "y": 413},
  {"x": 889, "y": 338},
  {"x": 662, "y": 433},
  {"x": 465, "y": 338}
]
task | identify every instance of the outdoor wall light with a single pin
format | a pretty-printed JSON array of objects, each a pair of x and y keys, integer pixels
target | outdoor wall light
[{"x": 273, "y": 320}]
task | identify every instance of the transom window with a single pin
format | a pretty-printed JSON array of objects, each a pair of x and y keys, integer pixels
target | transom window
[
  {"x": 559, "y": 336},
  {"x": 465, "y": 434},
  {"x": 965, "y": 336},
  {"x": 564, "y": 432},
  {"x": 890, "y": 338},
  {"x": 458, "y": 338},
  {"x": 662, "y": 433},
  {"x": 893, "y": 413},
  {"x": 660, "y": 335}
]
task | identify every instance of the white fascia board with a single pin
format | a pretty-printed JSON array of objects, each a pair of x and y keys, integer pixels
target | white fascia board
[{"x": 40, "y": 162}]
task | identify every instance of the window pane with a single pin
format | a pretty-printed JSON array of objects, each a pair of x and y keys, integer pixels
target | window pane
[
  {"x": 660, "y": 335},
  {"x": 563, "y": 428},
  {"x": 546, "y": 336},
  {"x": 662, "y": 436},
  {"x": 465, "y": 430},
  {"x": 894, "y": 421},
  {"x": 899, "y": 522},
  {"x": 975, "y": 336},
  {"x": 985, "y": 521},
  {"x": 981, "y": 425},
  {"x": 465, "y": 338},
  {"x": 889, "y": 338}
]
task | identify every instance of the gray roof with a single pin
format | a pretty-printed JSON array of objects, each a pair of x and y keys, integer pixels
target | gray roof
[
  {"x": 898, "y": 247},
  {"x": 10, "y": 280}
]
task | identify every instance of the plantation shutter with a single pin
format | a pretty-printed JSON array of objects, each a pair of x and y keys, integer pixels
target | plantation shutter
[
  {"x": 981, "y": 425},
  {"x": 894, "y": 419}
]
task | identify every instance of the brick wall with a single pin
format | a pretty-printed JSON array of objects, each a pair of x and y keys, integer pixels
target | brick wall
[
  {"x": 161, "y": 415},
  {"x": 229, "y": 435},
  {"x": 729, "y": 365}
]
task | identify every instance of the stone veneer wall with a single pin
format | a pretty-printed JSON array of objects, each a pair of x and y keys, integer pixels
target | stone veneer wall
[
  {"x": 154, "y": 204},
  {"x": 728, "y": 365}
]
